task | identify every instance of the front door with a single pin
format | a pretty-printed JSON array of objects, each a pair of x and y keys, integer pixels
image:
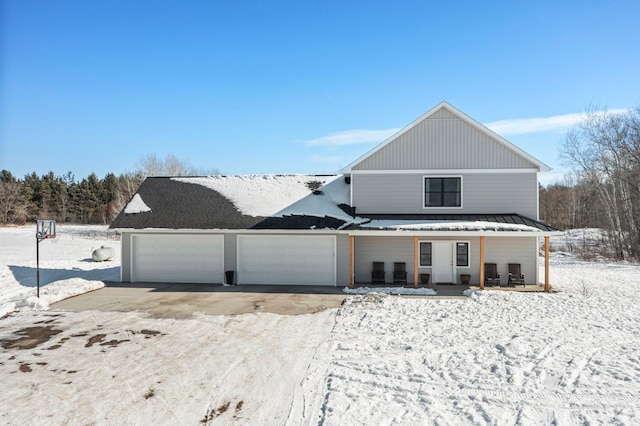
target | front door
[{"x": 442, "y": 262}]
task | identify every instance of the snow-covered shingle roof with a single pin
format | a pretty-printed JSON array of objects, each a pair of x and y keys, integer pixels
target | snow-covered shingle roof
[
  {"x": 136, "y": 205},
  {"x": 284, "y": 202},
  {"x": 239, "y": 202},
  {"x": 261, "y": 195}
]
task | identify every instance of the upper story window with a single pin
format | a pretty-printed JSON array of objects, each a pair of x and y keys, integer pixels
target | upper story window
[{"x": 443, "y": 191}]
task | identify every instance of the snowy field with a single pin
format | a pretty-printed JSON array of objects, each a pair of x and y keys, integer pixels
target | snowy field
[{"x": 496, "y": 357}]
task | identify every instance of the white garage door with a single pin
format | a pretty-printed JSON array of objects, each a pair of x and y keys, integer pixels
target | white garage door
[
  {"x": 178, "y": 258},
  {"x": 295, "y": 260}
]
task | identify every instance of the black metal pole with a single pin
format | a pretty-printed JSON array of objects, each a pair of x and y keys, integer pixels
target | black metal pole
[{"x": 38, "y": 267}]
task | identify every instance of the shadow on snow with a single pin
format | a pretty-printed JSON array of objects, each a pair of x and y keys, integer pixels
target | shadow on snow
[{"x": 26, "y": 275}]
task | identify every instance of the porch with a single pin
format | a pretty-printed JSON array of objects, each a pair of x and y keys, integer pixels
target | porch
[{"x": 445, "y": 258}]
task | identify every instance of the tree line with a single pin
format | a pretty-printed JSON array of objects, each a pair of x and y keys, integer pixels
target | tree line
[
  {"x": 603, "y": 191},
  {"x": 90, "y": 200}
]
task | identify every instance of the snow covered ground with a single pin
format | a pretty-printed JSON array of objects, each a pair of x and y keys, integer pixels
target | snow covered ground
[
  {"x": 132, "y": 368},
  {"x": 66, "y": 267},
  {"x": 496, "y": 357}
]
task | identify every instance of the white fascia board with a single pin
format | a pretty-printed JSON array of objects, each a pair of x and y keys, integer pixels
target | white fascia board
[
  {"x": 441, "y": 171},
  {"x": 358, "y": 232},
  {"x": 452, "y": 234},
  {"x": 171, "y": 231},
  {"x": 482, "y": 128},
  {"x": 231, "y": 231}
]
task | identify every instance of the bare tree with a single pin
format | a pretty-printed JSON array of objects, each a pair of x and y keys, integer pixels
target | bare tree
[
  {"x": 173, "y": 166},
  {"x": 13, "y": 208},
  {"x": 151, "y": 165},
  {"x": 604, "y": 149}
]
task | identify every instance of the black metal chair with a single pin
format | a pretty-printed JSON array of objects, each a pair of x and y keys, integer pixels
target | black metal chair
[
  {"x": 515, "y": 275},
  {"x": 399, "y": 273},
  {"x": 491, "y": 275},
  {"x": 377, "y": 274}
]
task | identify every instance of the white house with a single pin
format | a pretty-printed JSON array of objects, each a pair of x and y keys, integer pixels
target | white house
[{"x": 444, "y": 196}]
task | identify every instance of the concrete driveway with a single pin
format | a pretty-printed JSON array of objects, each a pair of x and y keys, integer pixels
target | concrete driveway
[{"x": 185, "y": 299}]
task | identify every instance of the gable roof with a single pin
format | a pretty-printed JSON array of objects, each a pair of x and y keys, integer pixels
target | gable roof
[{"x": 445, "y": 111}]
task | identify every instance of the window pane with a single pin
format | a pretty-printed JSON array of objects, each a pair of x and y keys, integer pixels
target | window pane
[
  {"x": 451, "y": 200},
  {"x": 434, "y": 199},
  {"x": 425, "y": 254},
  {"x": 435, "y": 185},
  {"x": 462, "y": 251},
  {"x": 452, "y": 184}
]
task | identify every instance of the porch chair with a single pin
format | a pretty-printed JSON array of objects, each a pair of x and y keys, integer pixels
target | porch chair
[
  {"x": 399, "y": 273},
  {"x": 491, "y": 275},
  {"x": 515, "y": 275},
  {"x": 377, "y": 274}
]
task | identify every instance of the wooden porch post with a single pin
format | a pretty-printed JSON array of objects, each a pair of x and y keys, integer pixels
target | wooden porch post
[
  {"x": 547, "y": 286},
  {"x": 415, "y": 261},
  {"x": 481, "y": 262},
  {"x": 351, "y": 237}
]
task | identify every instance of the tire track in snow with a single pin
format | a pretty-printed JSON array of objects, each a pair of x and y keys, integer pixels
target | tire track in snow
[{"x": 409, "y": 385}]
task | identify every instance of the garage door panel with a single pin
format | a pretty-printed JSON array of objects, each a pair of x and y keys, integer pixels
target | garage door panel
[
  {"x": 301, "y": 260},
  {"x": 178, "y": 258}
]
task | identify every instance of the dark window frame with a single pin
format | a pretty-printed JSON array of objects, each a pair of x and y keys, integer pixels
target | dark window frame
[
  {"x": 425, "y": 256},
  {"x": 442, "y": 193},
  {"x": 465, "y": 255}
]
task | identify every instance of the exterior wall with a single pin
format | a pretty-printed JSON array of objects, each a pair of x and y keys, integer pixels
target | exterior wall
[
  {"x": 403, "y": 193},
  {"x": 230, "y": 255},
  {"x": 444, "y": 141},
  {"x": 125, "y": 260},
  {"x": 513, "y": 250},
  {"x": 382, "y": 249},
  {"x": 369, "y": 249},
  {"x": 501, "y": 251},
  {"x": 342, "y": 260},
  {"x": 474, "y": 256}
]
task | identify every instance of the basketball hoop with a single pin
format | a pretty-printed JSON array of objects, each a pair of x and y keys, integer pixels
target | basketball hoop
[{"x": 45, "y": 229}]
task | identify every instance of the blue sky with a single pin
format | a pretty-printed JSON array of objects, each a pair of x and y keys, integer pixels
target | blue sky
[{"x": 265, "y": 87}]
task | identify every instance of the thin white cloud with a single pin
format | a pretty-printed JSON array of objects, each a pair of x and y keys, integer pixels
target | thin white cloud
[
  {"x": 516, "y": 126},
  {"x": 557, "y": 123},
  {"x": 351, "y": 137},
  {"x": 330, "y": 159}
]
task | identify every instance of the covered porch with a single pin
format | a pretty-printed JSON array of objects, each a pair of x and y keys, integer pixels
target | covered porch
[{"x": 445, "y": 260}]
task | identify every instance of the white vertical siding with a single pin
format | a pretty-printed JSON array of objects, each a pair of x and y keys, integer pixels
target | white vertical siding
[
  {"x": 444, "y": 143},
  {"x": 342, "y": 260},
  {"x": 230, "y": 255},
  {"x": 125, "y": 259}
]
